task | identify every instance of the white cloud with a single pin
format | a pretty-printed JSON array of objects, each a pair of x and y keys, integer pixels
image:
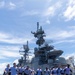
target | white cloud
[
  {"x": 8, "y": 38},
  {"x": 3, "y": 35},
  {"x": 2, "y": 4},
  {"x": 15, "y": 40},
  {"x": 69, "y": 13},
  {"x": 11, "y": 6},
  {"x": 61, "y": 34},
  {"x": 7, "y": 5},
  {"x": 64, "y": 41},
  {"x": 9, "y": 51},
  {"x": 66, "y": 34},
  {"x": 9, "y": 54},
  {"x": 47, "y": 21},
  {"x": 69, "y": 55},
  {"x": 50, "y": 11},
  {"x": 8, "y": 47}
]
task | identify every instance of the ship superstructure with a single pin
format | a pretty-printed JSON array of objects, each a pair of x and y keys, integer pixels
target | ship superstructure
[
  {"x": 44, "y": 51},
  {"x": 45, "y": 54}
]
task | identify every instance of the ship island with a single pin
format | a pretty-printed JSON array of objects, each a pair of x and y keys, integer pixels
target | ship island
[{"x": 45, "y": 55}]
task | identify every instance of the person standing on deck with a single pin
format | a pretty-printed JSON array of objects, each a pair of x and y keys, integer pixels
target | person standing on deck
[
  {"x": 7, "y": 70},
  {"x": 58, "y": 71},
  {"x": 68, "y": 70},
  {"x": 14, "y": 70},
  {"x": 39, "y": 71},
  {"x": 27, "y": 71},
  {"x": 46, "y": 71}
]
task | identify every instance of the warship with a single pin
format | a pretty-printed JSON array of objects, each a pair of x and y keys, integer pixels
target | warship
[{"x": 45, "y": 55}]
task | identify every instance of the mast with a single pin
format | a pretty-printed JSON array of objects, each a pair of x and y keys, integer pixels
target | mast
[
  {"x": 25, "y": 53},
  {"x": 41, "y": 51},
  {"x": 39, "y": 34},
  {"x": 37, "y": 26}
]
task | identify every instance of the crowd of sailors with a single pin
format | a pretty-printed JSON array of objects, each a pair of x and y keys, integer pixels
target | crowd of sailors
[{"x": 19, "y": 70}]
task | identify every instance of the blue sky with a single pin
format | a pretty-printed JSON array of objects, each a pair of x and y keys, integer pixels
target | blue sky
[{"x": 19, "y": 17}]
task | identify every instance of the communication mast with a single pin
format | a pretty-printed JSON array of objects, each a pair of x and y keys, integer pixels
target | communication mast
[{"x": 25, "y": 52}]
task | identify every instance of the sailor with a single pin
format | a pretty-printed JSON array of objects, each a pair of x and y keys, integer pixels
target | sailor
[
  {"x": 20, "y": 70},
  {"x": 46, "y": 71},
  {"x": 58, "y": 71},
  {"x": 62, "y": 70},
  {"x": 14, "y": 70},
  {"x": 39, "y": 71},
  {"x": 54, "y": 71},
  {"x": 7, "y": 70},
  {"x": 33, "y": 71},
  {"x": 27, "y": 71},
  {"x": 68, "y": 70}
]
